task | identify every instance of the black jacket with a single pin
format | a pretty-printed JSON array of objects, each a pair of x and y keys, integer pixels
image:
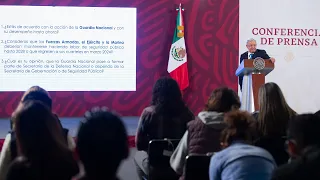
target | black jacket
[
  {"x": 275, "y": 145},
  {"x": 259, "y": 53},
  {"x": 305, "y": 167},
  {"x": 13, "y": 142},
  {"x": 151, "y": 126}
]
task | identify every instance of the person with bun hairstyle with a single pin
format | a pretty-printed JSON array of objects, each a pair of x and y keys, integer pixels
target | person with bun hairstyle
[{"x": 239, "y": 159}]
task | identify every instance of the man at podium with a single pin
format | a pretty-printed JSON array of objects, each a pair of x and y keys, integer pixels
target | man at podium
[{"x": 253, "y": 53}]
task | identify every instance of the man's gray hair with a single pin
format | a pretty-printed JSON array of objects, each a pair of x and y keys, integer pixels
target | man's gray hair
[{"x": 250, "y": 40}]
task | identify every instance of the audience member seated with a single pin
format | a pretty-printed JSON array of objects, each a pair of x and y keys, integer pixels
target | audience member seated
[
  {"x": 9, "y": 149},
  {"x": 273, "y": 119},
  {"x": 203, "y": 134},
  {"x": 239, "y": 159},
  {"x": 102, "y": 144},
  {"x": 197, "y": 166},
  {"x": 167, "y": 117},
  {"x": 304, "y": 148},
  {"x": 43, "y": 151}
]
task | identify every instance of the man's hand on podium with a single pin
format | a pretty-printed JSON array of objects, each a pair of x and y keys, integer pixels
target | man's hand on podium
[{"x": 273, "y": 60}]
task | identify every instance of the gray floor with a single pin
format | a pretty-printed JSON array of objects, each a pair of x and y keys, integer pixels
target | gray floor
[{"x": 127, "y": 170}]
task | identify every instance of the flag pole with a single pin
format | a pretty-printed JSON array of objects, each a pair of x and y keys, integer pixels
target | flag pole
[
  {"x": 178, "y": 9},
  {"x": 180, "y": 6},
  {"x": 177, "y": 64}
]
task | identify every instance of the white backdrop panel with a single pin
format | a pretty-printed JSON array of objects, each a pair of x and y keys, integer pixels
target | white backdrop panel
[{"x": 297, "y": 69}]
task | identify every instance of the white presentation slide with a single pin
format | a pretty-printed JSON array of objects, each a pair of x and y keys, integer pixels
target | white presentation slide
[
  {"x": 67, "y": 48},
  {"x": 289, "y": 30}
]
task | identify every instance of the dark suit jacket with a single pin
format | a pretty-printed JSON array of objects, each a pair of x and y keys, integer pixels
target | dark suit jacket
[{"x": 259, "y": 53}]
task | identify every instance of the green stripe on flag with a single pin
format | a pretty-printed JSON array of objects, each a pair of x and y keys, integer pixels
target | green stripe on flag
[{"x": 175, "y": 36}]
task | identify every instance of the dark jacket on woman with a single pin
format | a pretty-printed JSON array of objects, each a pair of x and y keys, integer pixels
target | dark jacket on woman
[
  {"x": 275, "y": 145},
  {"x": 23, "y": 169},
  {"x": 13, "y": 142},
  {"x": 152, "y": 126}
]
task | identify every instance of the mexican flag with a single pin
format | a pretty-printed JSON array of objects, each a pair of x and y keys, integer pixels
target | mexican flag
[{"x": 177, "y": 65}]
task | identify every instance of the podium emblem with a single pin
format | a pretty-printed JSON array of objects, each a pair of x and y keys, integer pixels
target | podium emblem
[{"x": 259, "y": 63}]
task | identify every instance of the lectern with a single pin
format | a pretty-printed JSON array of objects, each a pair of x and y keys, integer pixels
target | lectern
[{"x": 253, "y": 72}]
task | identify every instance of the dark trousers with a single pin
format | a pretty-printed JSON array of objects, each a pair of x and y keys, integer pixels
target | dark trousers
[{"x": 142, "y": 164}]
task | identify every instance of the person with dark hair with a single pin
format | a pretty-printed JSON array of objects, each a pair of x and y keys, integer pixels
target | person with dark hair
[
  {"x": 51, "y": 159},
  {"x": 304, "y": 148},
  {"x": 203, "y": 133},
  {"x": 39, "y": 94},
  {"x": 273, "y": 118},
  {"x": 9, "y": 149},
  {"x": 166, "y": 118},
  {"x": 102, "y": 144},
  {"x": 239, "y": 159}
]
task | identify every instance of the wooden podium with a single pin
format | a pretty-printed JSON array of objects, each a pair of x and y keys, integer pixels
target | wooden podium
[{"x": 256, "y": 72}]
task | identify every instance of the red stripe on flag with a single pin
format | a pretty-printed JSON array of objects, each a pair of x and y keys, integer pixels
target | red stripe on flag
[{"x": 180, "y": 74}]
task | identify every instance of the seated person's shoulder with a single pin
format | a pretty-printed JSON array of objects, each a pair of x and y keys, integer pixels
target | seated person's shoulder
[
  {"x": 270, "y": 141},
  {"x": 147, "y": 114},
  {"x": 244, "y": 53},
  {"x": 261, "y": 50},
  {"x": 187, "y": 115},
  {"x": 20, "y": 162},
  {"x": 220, "y": 156},
  {"x": 305, "y": 167},
  {"x": 255, "y": 115},
  {"x": 18, "y": 168},
  {"x": 287, "y": 171},
  {"x": 190, "y": 114},
  {"x": 149, "y": 109}
]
